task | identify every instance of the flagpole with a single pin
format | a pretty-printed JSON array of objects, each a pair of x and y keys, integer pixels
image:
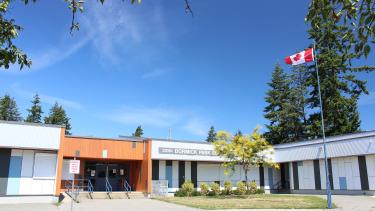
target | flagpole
[{"x": 328, "y": 183}]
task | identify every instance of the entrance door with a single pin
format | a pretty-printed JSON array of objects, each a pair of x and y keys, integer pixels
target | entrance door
[{"x": 116, "y": 174}]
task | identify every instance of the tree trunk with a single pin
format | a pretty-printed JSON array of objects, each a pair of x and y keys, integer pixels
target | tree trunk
[{"x": 247, "y": 186}]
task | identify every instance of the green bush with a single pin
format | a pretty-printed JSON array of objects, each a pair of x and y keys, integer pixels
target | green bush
[
  {"x": 215, "y": 189},
  {"x": 252, "y": 187},
  {"x": 196, "y": 193},
  {"x": 227, "y": 187},
  {"x": 180, "y": 193},
  {"x": 188, "y": 187},
  {"x": 204, "y": 189},
  {"x": 260, "y": 191},
  {"x": 241, "y": 188}
]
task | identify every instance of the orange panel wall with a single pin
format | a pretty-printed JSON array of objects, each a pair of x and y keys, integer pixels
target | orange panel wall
[{"x": 92, "y": 148}]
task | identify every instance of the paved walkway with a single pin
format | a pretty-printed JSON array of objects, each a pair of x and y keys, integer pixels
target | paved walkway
[{"x": 345, "y": 203}]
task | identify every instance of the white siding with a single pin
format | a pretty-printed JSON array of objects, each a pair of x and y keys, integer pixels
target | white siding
[
  {"x": 306, "y": 175},
  {"x": 29, "y": 136},
  {"x": 370, "y": 163},
  {"x": 346, "y": 167},
  {"x": 162, "y": 170},
  {"x": 65, "y": 171},
  {"x": 28, "y": 183},
  {"x": 322, "y": 173},
  {"x": 45, "y": 165},
  {"x": 174, "y": 174},
  {"x": 27, "y": 163},
  {"x": 208, "y": 172},
  {"x": 291, "y": 178},
  {"x": 187, "y": 170}
]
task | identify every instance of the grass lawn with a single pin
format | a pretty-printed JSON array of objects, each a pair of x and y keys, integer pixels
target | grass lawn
[{"x": 261, "y": 201}]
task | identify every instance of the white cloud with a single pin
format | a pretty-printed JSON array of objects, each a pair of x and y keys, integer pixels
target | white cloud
[
  {"x": 155, "y": 73},
  {"x": 158, "y": 117},
  {"x": 197, "y": 126},
  {"x": 161, "y": 117},
  {"x": 119, "y": 33},
  {"x": 46, "y": 98},
  {"x": 367, "y": 99},
  {"x": 55, "y": 55}
]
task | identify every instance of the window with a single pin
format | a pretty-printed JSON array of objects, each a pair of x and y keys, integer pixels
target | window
[
  {"x": 45, "y": 165},
  {"x": 134, "y": 144}
]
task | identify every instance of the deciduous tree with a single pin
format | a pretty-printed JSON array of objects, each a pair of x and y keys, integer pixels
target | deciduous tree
[{"x": 247, "y": 151}]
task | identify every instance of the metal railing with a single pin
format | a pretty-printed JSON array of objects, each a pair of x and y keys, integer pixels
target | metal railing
[
  {"x": 79, "y": 185},
  {"x": 108, "y": 187},
  {"x": 127, "y": 187}
]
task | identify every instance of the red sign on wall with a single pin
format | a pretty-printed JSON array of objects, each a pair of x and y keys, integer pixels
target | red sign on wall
[{"x": 74, "y": 166}]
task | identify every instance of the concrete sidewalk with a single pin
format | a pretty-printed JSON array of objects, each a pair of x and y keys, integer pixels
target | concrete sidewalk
[{"x": 345, "y": 203}]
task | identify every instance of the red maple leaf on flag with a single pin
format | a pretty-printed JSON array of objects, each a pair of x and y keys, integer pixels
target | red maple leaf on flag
[{"x": 297, "y": 57}]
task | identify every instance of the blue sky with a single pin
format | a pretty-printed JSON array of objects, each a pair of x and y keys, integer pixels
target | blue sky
[{"x": 155, "y": 66}]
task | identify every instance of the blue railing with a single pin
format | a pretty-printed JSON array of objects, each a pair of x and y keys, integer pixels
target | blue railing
[
  {"x": 79, "y": 185},
  {"x": 108, "y": 187},
  {"x": 127, "y": 187}
]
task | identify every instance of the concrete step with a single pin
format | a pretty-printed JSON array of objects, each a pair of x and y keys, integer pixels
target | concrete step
[{"x": 114, "y": 195}]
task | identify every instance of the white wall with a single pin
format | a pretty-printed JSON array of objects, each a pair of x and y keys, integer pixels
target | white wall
[
  {"x": 30, "y": 183},
  {"x": 370, "y": 163},
  {"x": 346, "y": 167},
  {"x": 162, "y": 170},
  {"x": 306, "y": 175},
  {"x": 175, "y": 174},
  {"x": 187, "y": 170},
  {"x": 29, "y": 136}
]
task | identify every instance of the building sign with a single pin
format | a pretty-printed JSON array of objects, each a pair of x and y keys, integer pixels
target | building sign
[
  {"x": 74, "y": 166},
  {"x": 182, "y": 151},
  {"x": 159, "y": 187}
]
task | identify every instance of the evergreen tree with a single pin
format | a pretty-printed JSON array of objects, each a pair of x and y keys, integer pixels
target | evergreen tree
[
  {"x": 238, "y": 133},
  {"x": 8, "y": 109},
  {"x": 35, "y": 112},
  {"x": 138, "y": 132},
  {"x": 277, "y": 97},
  {"x": 57, "y": 116},
  {"x": 211, "y": 135},
  {"x": 340, "y": 86},
  {"x": 297, "y": 103}
]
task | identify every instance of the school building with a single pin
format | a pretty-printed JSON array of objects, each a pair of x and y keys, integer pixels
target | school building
[{"x": 34, "y": 160}]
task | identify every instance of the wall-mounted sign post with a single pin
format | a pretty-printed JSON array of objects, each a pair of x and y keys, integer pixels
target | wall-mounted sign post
[{"x": 74, "y": 166}]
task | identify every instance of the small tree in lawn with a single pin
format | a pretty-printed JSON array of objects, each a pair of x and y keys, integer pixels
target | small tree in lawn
[
  {"x": 247, "y": 151},
  {"x": 138, "y": 132}
]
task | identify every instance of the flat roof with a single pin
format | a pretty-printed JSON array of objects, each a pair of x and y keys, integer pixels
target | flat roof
[{"x": 30, "y": 124}]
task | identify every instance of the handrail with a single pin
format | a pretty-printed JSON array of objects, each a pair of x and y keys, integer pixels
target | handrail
[
  {"x": 108, "y": 187},
  {"x": 127, "y": 187},
  {"x": 90, "y": 187}
]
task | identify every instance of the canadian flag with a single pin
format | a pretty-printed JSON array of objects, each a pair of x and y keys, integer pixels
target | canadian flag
[{"x": 301, "y": 57}]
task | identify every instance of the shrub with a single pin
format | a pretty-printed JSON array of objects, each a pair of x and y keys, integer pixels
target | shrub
[
  {"x": 215, "y": 189},
  {"x": 196, "y": 193},
  {"x": 188, "y": 187},
  {"x": 252, "y": 187},
  {"x": 204, "y": 189},
  {"x": 260, "y": 191},
  {"x": 241, "y": 188},
  {"x": 227, "y": 187},
  {"x": 180, "y": 193}
]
